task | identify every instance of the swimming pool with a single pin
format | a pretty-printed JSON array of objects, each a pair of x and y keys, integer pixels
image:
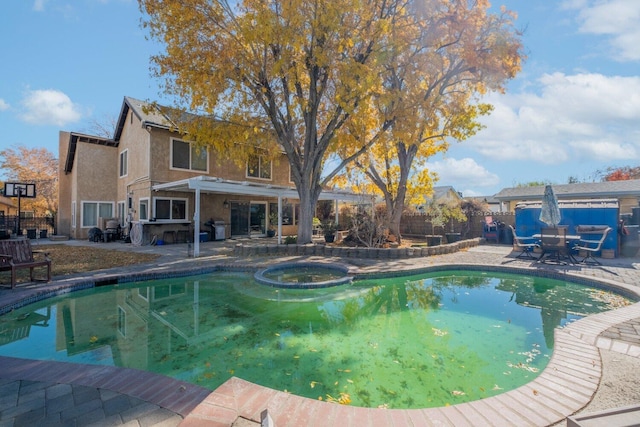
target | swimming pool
[{"x": 408, "y": 342}]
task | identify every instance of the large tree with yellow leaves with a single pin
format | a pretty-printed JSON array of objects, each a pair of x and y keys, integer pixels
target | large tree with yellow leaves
[
  {"x": 271, "y": 75},
  {"x": 453, "y": 52}
]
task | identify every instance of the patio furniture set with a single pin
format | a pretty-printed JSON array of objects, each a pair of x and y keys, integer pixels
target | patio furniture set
[{"x": 559, "y": 247}]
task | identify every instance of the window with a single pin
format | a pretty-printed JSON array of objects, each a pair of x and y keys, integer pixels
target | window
[
  {"x": 185, "y": 155},
  {"x": 124, "y": 166},
  {"x": 287, "y": 212},
  {"x": 91, "y": 211},
  {"x": 170, "y": 208},
  {"x": 257, "y": 167},
  {"x": 143, "y": 209}
]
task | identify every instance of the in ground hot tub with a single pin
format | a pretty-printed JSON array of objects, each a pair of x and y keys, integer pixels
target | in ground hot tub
[{"x": 306, "y": 275}]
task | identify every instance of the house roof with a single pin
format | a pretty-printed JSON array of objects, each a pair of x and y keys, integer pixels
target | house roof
[
  {"x": 444, "y": 191},
  {"x": 149, "y": 114},
  {"x": 575, "y": 191}
]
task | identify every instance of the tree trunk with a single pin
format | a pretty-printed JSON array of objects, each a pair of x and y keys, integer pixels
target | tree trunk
[{"x": 308, "y": 201}]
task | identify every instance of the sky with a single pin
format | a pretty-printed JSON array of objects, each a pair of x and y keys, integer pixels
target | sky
[{"x": 573, "y": 110}]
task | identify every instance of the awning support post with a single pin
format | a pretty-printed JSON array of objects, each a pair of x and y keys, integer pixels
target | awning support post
[{"x": 196, "y": 225}]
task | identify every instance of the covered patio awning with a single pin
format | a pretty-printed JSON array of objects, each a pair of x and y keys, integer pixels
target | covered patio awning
[
  {"x": 213, "y": 185},
  {"x": 209, "y": 184}
]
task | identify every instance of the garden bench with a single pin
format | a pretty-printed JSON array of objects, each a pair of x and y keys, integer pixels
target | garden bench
[{"x": 16, "y": 254}]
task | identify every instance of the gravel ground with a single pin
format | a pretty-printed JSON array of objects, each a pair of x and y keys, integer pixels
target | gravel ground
[{"x": 619, "y": 386}]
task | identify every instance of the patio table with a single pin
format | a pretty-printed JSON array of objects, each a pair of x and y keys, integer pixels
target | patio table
[{"x": 568, "y": 239}]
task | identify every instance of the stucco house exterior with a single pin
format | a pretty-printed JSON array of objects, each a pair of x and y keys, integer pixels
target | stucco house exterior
[
  {"x": 627, "y": 193},
  {"x": 151, "y": 177}
]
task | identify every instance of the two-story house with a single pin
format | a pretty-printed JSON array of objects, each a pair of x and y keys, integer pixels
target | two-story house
[{"x": 151, "y": 177}]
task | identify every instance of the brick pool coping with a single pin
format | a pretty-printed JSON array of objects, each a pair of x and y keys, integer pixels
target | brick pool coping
[{"x": 565, "y": 386}]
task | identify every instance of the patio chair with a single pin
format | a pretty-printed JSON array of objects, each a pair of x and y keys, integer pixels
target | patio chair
[
  {"x": 590, "y": 247},
  {"x": 526, "y": 245},
  {"x": 490, "y": 229},
  {"x": 553, "y": 241}
]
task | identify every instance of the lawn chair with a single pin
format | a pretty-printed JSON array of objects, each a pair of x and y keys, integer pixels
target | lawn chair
[
  {"x": 526, "y": 245},
  {"x": 590, "y": 247}
]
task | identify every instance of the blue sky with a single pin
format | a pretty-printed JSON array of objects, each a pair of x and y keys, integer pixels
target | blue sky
[{"x": 573, "y": 110}]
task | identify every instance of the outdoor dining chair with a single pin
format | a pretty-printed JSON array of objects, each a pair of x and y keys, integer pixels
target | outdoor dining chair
[
  {"x": 590, "y": 247},
  {"x": 553, "y": 242},
  {"x": 526, "y": 245}
]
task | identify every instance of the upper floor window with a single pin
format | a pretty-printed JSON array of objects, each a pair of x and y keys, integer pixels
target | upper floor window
[
  {"x": 258, "y": 167},
  {"x": 170, "y": 208},
  {"x": 124, "y": 165},
  {"x": 188, "y": 156}
]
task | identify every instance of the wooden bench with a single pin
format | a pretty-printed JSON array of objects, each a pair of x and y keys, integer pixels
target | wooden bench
[{"x": 16, "y": 254}]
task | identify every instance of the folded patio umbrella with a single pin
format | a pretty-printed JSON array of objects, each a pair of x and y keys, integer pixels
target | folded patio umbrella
[{"x": 550, "y": 212}]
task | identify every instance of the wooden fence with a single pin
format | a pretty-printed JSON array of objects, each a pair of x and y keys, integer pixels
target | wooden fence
[{"x": 419, "y": 225}]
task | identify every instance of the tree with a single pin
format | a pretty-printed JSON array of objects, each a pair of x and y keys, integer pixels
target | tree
[
  {"x": 534, "y": 184},
  {"x": 448, "y": 55},
  {"x": 271, "y": 76},
  {"x": 33, "y": 166},
  {"x": 623, "y": 173}
]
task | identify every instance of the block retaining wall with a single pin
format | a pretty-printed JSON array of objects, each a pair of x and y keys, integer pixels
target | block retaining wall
[{"x": 349, "y": 252}]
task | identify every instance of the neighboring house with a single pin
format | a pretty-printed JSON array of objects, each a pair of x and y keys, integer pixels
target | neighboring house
[
  {"x": 151, "y": 176},
  {"x": 627, "y": 193},
  {"x": 492, "y": 204},
  {"x": 442, "y": 195},
  {"x": 8, "y": 206}
]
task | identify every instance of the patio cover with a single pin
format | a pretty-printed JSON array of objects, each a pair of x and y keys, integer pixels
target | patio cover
[{"x": 213, "y": 185}]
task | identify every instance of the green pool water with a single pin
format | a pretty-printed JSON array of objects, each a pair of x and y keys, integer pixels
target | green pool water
[{"x": 407, "y": 342}]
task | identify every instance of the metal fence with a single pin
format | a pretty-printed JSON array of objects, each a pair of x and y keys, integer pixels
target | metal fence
[{"x": 32, "y": 227}]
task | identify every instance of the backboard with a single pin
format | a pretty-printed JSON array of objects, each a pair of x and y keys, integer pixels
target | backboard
[{"x": 15, "y": 189}]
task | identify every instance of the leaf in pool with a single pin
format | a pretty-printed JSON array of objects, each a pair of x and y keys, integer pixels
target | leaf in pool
[
  {"x": 458, "y": 393},
  {"x": 439, "y": 333},
  {"x": 313, "y": 383},
  {"x": 496, "y": 387},
  {"x": 93, "y": 339}
]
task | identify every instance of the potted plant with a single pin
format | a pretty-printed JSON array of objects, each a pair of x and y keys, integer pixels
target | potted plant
[
  {"x": 273, "y": 224},
  {"x": 453, "y": 211},
  {"x": 435, "y": 215},
  {"x": 329, "y": 229}
]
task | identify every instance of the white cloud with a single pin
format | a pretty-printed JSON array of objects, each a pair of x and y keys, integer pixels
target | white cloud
[
  {"x": 462, "y": 172},
  {"x": 38, "y": 5},
  {"x": 49, "y": 107},
  {"x": 573, "y": 117},
  {"x": 617, "y": 19},
  {"x": 3, "y": 105}
]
